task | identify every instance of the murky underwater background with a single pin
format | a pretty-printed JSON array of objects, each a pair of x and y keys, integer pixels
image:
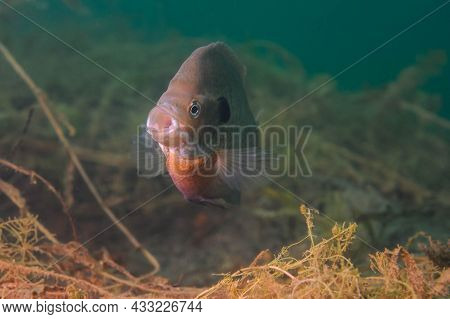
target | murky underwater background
[{"x": 379, "y": 150}]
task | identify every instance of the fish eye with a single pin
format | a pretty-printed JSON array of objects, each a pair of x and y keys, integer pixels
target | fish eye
[{"x": 194, "y": 109}]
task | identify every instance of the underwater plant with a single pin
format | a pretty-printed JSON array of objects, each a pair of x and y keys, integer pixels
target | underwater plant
[{"x": 32, "y": 265}]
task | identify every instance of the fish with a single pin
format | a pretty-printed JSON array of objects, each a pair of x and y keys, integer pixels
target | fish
[{"x": 205, "y": 127}]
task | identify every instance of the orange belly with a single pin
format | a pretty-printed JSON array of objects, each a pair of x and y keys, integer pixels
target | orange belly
[{"x": 193, "y": 177}]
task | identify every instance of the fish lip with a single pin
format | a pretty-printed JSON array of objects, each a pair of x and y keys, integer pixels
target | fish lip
[
  {"x": 160, "y": 133},
  {"x": 163, "y": 136},
  {"x": 177, "y": 142},
  {"x": 173, "y": 136}
]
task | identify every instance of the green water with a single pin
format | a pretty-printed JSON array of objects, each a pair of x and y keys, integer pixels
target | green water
[{"x": 326, "y": 35}]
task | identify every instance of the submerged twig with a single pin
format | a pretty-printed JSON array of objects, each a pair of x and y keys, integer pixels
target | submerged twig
[
  {"x": 14, "y": 195},
  {"x": 35, "y": 176},
  {"x": 19, "y": 141},
  {"x": 43, "y": 103},
  {"x": 35, "y": 271},
  {"x": 99, "y": 157}
]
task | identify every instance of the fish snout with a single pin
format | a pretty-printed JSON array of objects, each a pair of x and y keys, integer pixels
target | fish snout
[
  {"x": 159, "y": 121},
  {"x": 163, "y": 127}
]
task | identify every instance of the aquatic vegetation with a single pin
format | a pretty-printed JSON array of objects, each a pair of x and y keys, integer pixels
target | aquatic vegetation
[
  {"x": 378, "y": 155},
  {"x": 31, "y": 265},
  {"x": 325, "y": 271}
]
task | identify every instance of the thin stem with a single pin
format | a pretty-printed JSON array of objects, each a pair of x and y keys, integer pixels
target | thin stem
[{"x": 43, "y": 103}]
